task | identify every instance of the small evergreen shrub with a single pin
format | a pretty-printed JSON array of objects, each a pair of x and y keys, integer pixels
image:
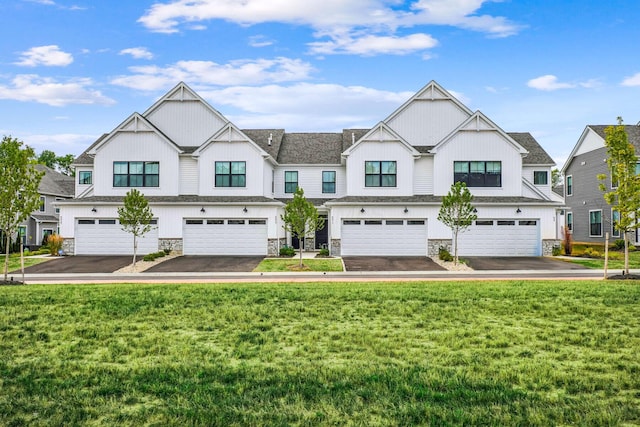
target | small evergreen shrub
[
  {"x": 444, "y": 255},
  {"x": 557, "y": 250},
  {"x": 153, "y": 256},
  {"x": 324, "y": 252},
  {"x": 591, "y": 253},
  {"x": 287, "y": 251},
  {"x": 618, "y": 244},
  {"x": 167, "y": 251}
]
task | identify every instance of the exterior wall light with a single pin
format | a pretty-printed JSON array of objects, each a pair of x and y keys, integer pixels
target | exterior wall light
[
  {"x": 202, "y": 210},
  {"x": 94, "y": 210},
  {"x": 362, "y": 210},
  {"x": 518, "y": 210},
  {"x": 406, "y": 210},
  {"x": 245, "y": 210}
]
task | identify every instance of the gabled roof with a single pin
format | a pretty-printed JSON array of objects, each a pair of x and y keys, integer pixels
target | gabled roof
[
  {"x": 85, "y": 158},
  {"x": 54, "y": 183},
  {"x": 267, "y": 139},
  {"x": 537, "y": 155},
  {"x": 182, "y": 92},
  {"x": 229, "y": 133},
  {"x": 382, "y": 133}
]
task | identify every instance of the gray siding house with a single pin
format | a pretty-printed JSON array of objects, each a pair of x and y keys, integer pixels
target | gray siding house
[{"x": 588, "y": 217}]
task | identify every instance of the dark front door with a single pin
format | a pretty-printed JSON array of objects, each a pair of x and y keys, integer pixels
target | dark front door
[
  {"x": 295, "y": 242},
  {"x": 322, "y": 236}
]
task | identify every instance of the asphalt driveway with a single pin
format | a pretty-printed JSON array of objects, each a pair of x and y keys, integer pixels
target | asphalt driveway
[
  {"x": 207, "y": 264},
  {"x": 81, "y": 264},
  {"x": 395, "y": 263},
  {"x": 520, "y": 263}
]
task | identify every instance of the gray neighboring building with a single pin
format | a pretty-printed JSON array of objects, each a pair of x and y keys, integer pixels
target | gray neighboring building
[
  {"x": 45, "y": 220},
  {"x": 588, "y": 216}
]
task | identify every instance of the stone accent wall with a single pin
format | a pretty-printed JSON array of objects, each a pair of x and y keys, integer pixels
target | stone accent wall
[
  {"x": 335, "y": 247},
  {"x": 69, "y": 246},
  {"x": 274, "y": 245},
  {"x": 434, "y": 245},
  {"x": 547, "y": 246},
  {"x": 174, "y": 245},
  {"x": 309, "y": 244}
]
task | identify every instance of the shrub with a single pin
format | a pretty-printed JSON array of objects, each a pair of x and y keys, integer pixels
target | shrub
[
  {"x": 54, "y": 243},
  {"x": 287, "y": 251},
  {"x": 166, "y": 251},
  {"x": 444, "y": 254},
  {"x": 153, "y": 256},
  {"x": 324, "y": 252},
  {"x": 591, "y": 253},
  {"x": 557, "y": 250}
]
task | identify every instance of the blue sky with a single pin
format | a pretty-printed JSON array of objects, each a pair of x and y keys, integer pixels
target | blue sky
[{"x": 71, "y": 70}]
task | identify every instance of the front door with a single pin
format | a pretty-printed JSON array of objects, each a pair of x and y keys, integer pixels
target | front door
[{"x": 322, "y": 236}]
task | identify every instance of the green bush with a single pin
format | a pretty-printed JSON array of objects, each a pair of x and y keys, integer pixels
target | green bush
[
  {"x": 154, "y": 256},
  {"x": 167, "y": 251},
  {"x": 444, "y": 255},
  {"x": 287, "y": 251},
  {"x": 591, "y": 253},
  {"x": 557, "y": 250},
  {"x": 618, "y": 244},
  {"x": 324, "y": 252}
]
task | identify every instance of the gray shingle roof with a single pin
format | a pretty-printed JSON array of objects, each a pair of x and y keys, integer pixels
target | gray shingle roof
[
  {"x": 310, "y": 148},
  {"x": 633, "y": 133},
  {"x": 261, "y": 138},
  {"x": 351, "y": 135},
  {"x": 44, "y": 218},
  {"x": 86, "y": 159},
  {"x": 55, "y": 183},
  {"x": 537, "y": 155}
]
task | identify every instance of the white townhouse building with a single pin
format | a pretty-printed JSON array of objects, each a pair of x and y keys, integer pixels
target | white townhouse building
[{"x": 217, "y": 189}]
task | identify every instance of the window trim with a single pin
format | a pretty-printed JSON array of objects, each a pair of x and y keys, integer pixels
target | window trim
[
  {"x": 328, "y": 182},
  {"x": 468, "y": 174},
  {"x": 615, "y": 230},
  {"x": 43, "y": 204},
  {"x": 546, "y": 177},
  {"x": 230, "y": 175},
  {"x": 144, "y": 174},
  {"x": 590, "y": 224},
  {"x": 80, "y": 180},
  {"x": 569, "y": 222},
  {"x": 288, "y": 184},
  {"x": 381, "y": 175},
  {"x": 568, "y": 189}
]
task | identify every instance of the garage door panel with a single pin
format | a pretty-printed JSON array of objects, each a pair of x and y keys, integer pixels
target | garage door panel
[
  {"x": 501, "y": 237},
  {"x": 384, "y": 237},
  {"x": 225, "y": 237},
  {"x": 106, "y": 237}
]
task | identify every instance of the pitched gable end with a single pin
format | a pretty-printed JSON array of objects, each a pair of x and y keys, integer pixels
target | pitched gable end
[
  {"x": 381, "y": 133},
  {"x": 229, "y": 133}
]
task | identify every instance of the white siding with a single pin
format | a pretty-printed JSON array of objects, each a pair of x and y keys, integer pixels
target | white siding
[
  {"x": 527, "y": 173},
  {"x": 188, "y": 175},
  {"x": 80, "y": 188},
  {"x": 136, "y": 146},
  {"x": 233, "y": 152},
  {"x": 423, "y": 176},
  {"x": 478, "y": 146},
  {"x": 310, "y": 179},
  {"x": 188, "y": 123},
  {"x": 592, "y": 141},
  {"x": 383, "y": 151},
  {"x": 427, "y": 122}
]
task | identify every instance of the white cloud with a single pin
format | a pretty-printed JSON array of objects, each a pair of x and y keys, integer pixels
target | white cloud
[
  {"x": 61, "y": 144},
  {"x": 240, "y": 72},
  {"x": 632, "y": 80},
  {"x": 44, "y": 90},
  {"x": 50, "y": 55},
  {"x": 374, "y": 21},
  {"x": 548, "y": 83},
  {"x": 259, "y": 41},
  {"x": 137, "y": 52},
  {"x": 372, "y": 45}
]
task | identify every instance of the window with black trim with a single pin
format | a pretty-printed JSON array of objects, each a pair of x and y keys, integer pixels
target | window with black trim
[
  {"x": 380, "y": 173},
  {"x": 570, "y": 221},
  {"x": 595, "y": 223},
  {"x": 328, "y": 181},
  {"x": 85, "y": 177},
  {"x": 231, "y": 174},
  {"x": 478, "y": 174},
  {"x": 615, "y": 218},
  {"x": 569, "y": 185},
  {"x": 136, "y": 174},
  {"x": 290, "y": 181},
  {"x": 540, "y": 177},
  {"x": 43, "y": 203}
]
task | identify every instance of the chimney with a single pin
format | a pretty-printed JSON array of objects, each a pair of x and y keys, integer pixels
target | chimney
[{"x": 270, "y": 138}]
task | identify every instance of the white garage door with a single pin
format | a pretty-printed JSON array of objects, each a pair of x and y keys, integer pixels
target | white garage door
[
  {"x": 105, "y": 237},
  {"x": 390, "y": 237},
  {"x": 501, "y": 237},
  {"x": 224, "y": 237}
]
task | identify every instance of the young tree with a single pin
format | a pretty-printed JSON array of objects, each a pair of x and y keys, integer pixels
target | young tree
[
  {"x": 456, "y": 212},
  {"x": 622, "y": 161},
  {"x": 135, "y": 218},
  {"x": 301, "y": 217},
  {"x": 19, "y": 181}
]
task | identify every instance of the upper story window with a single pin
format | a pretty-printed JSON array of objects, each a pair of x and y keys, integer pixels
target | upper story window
[
  {"x": 478, "y": 174},
  {"x": 328, "y": 181},
  {"x": 540, "y": 177},
  {"x": 85, "y": 177},
  {"x": 569, "y": 185},
  {"x": 290, "y": 181},
  {"x": 43, "y": 203},
  {"x": 136, "y": 174},
  {"x": 231, "y": 174},
  {"x": 380, "y": 174}
]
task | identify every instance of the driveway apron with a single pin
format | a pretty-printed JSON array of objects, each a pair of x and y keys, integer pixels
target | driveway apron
[
  {"x": 207, "y": 264},
  {"x": 398, "y": 263}
]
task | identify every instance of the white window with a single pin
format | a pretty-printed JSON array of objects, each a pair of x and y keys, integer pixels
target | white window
[{"x": 43, "y": 203}]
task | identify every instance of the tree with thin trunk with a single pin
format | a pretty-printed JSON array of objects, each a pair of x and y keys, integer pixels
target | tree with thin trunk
[
  {"x": 19, "y": 181},
  {"x": 456, "y": 212},
  {"x": 625, "y": 181},
  {"x": 301, "y": 217},
  {"x": 135, "y": 218}
]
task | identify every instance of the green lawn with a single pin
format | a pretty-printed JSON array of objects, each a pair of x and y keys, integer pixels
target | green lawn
[
  {"x": 433, "y": 353},
  {"x": 616, "y": 260},
  {"x": 14, "y": 262},
  {"x": 291, "y": 264}
]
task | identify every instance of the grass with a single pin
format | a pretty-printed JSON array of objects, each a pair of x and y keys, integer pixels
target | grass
[
  {"x": 616, "y": 258},
  {"x": 292, "y": 264},
  {"x": 14, "y": 262},
  {"x": 464, "y": 353}
]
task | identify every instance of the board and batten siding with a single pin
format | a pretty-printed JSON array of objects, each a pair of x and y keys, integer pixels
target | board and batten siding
[
  {"x": 141, "y": 146},
  {"x": 188, "y": 176},
  {"x": 380, "y": 151},
  {"x": 80, "y": 188},
  {"x": 479, "y": 146},
  {"x": 188, "y": 123},
  {"x": 310, "y": 179},
  {"x": 528, "y": 173},
  {"x": 427, "y": 122},
  {"x": 423, "y": 176},
  {"x": 235, "y": 151}
]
